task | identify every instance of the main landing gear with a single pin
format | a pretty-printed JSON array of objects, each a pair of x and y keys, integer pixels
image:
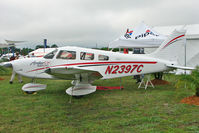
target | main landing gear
[{"x": 81, "y": 86}]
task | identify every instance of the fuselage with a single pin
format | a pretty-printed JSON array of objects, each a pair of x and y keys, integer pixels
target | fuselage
[{"x": 108, "y": 64}]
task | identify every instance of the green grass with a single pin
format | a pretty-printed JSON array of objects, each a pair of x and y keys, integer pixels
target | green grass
[{"x": 154, "y": 110}]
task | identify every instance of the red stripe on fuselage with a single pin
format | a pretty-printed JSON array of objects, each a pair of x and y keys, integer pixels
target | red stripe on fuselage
[{"x": 88, "y": 63}]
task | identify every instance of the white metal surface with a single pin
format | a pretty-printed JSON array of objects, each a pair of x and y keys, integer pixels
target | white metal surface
[
  {"x": 33, "y": 87},
  {"x": 81, "y": 89}
]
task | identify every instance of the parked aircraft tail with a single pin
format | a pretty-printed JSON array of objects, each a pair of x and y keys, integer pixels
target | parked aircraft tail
[{"x": 172, "y": 49}]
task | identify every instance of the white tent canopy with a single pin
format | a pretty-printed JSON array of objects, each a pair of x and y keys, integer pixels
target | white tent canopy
[{"x": 142, "y": 36}]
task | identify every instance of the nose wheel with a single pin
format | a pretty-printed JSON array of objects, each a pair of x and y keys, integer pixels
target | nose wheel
[
  {"x": 77, "y": 97},
  {"x": 30, "y": 92}
]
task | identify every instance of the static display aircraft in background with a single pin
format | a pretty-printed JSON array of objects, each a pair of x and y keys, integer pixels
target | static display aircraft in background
[
  {"x": 9, "y": 43},
  {"x": 83, "y": 65}
]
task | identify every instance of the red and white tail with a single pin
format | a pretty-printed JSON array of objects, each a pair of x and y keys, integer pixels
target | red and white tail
[{"x": 172, "y": 49}]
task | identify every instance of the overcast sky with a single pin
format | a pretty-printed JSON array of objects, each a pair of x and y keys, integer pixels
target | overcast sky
[{"x": 87, "y": 22}]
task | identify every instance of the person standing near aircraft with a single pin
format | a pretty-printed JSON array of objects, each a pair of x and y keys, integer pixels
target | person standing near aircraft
[{"x": 14, "y": 73}]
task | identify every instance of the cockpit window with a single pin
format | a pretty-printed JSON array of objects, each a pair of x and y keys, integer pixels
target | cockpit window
[
  {"x": 86, "y": 56},
  {"x": 68, "y": 55},
  {"x": 103, "y": 57},
  {"x": 51, "y": 54}
]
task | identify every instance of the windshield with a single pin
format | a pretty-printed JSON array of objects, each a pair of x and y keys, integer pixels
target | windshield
[{"x": 51, "y": 54}]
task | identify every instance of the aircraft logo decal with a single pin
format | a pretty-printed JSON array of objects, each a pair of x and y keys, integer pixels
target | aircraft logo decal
[
  {"x": 40, "y": 63},
  {"x": 128, "y": 34},
  {"x": 148, "y": 32}
]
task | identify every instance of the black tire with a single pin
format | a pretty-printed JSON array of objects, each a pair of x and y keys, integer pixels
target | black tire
[
  {"x": 30, "y": 92},
  {"x": 78, "y": 97}
]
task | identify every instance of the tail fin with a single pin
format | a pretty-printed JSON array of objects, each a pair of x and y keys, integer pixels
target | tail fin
[{"x": 172, "y": 49}]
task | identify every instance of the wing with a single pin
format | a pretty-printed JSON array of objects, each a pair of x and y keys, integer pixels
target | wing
[{"x": 64, "y": 72}]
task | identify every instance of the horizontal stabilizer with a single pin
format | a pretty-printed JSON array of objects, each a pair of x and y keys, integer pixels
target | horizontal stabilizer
[{"x": 181, "y": 67}]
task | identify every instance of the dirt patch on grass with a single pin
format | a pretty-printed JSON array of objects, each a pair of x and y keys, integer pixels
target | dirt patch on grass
[
  {"x": 159, "y": 82},
  {"x": 1, "y": 79},
  {"x": 193, "y": 100}
]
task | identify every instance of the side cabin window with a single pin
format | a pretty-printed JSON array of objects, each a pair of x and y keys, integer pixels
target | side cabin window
[
  {"x": 68, "y": 55},
  {"x": 86, "y": 56},
  {"x": 103, "y": 57},
  {"x": 51, "y": 54}
]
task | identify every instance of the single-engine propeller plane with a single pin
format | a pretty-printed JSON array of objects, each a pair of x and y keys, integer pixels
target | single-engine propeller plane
[{"x": 84, "y": 65}]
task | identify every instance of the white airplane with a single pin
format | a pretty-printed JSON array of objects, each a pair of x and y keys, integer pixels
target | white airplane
[
  {"x": 84, "y": 65},
  {"x": 9, "y": 43}
]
